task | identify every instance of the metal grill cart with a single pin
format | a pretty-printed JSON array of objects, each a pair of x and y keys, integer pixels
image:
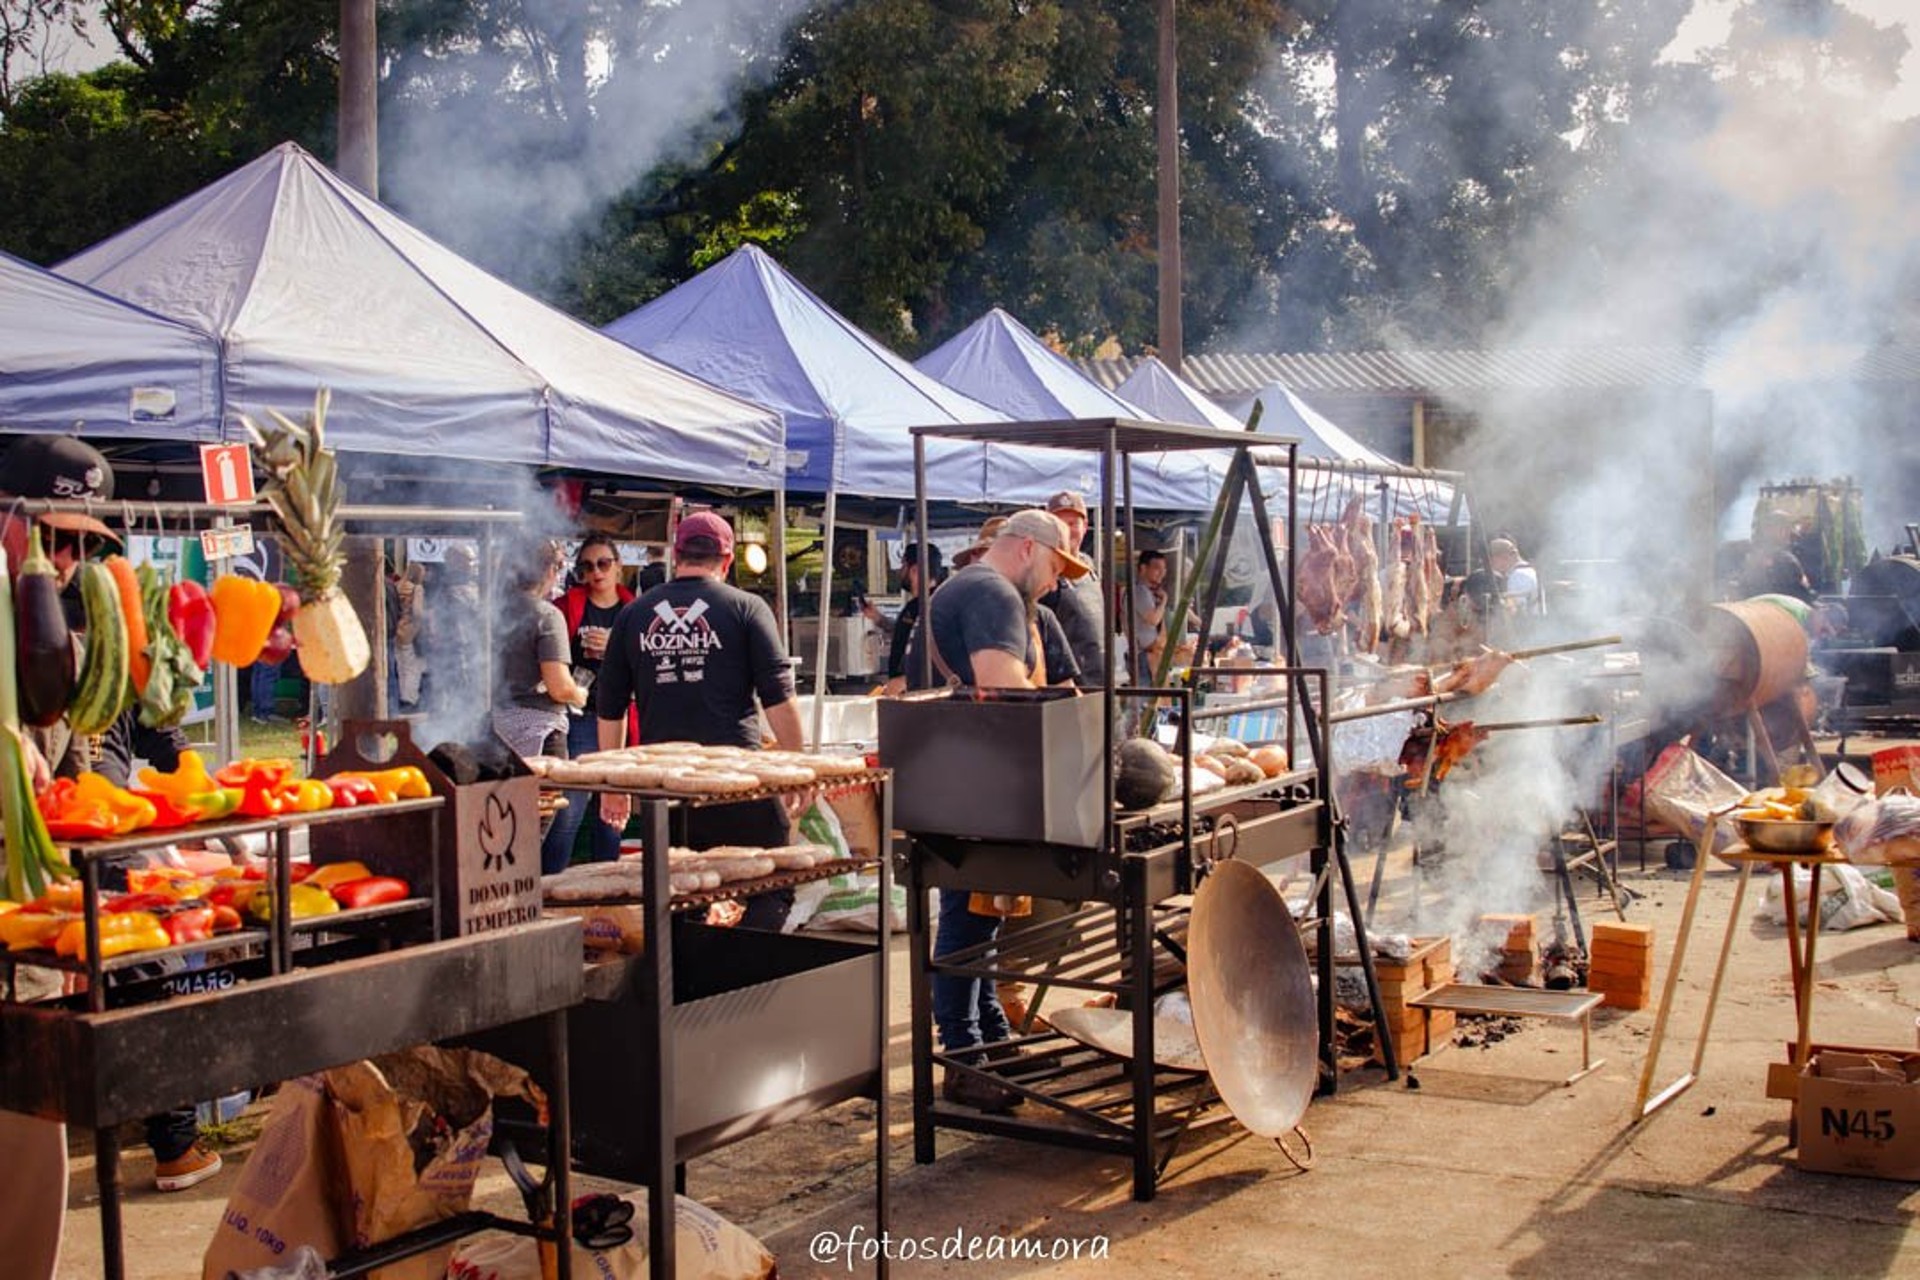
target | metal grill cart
[
  {"x": 1011, "y": 792},
  {"x": 268, "y": 1004},
  {"x": 712, "y": 1035}
]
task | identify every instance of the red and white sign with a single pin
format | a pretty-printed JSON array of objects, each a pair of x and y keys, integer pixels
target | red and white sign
[{"x": 227, "y": 470}]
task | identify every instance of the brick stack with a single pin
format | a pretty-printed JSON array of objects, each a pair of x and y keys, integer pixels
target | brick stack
[
  {"x": 1416, "y": 1031},
  {"x": 1620, "y": 966},
  {"x": 1519, "y": 947}
]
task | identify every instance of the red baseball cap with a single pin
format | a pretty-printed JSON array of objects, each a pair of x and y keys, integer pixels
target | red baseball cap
[{"x": 706, "y": 525}]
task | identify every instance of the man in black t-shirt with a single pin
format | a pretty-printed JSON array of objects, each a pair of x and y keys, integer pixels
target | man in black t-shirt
[
  {"x": 693, "y": 654},
  {"x": 981, "y": 623},
  {"x": 1076, "y": 601}
]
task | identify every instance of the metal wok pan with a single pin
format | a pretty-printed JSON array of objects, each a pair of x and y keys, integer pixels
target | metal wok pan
[{"x": 1253, "y": 1009}]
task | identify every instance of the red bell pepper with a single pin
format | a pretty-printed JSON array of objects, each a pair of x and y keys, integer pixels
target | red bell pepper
[
  {"x": 369, "y": 892},
  {"x": 190, "y": 610},
  {"x": 244, "y": 773},
  {"x": 83, "y": 822},
  {"x": 225, "y": 919},
  {"x": 350, "y": 792},
  {"x": 189, "y": 924}
]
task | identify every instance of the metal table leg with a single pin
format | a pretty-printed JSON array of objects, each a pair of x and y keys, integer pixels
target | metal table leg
[{"x": 106, "y": 1173}]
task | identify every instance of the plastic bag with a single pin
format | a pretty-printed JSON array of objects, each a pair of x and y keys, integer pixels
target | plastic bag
[
  {"x": 1884, "y": 832},
  {"x": 1849, "y": 901},
  {"x": 849, "y": 901},
  {"x": 1682, "y": 789}
]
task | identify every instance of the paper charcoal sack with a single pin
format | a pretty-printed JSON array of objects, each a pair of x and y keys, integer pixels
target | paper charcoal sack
[
  {"x": 288, "y": 1192},
  {"x": 414, "y": 1128},
  {"x": 1848, "y": 901},
  {"x": 706, "y": 1247}
]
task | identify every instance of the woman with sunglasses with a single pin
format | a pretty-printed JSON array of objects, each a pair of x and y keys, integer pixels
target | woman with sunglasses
[{"x": 589, "y": 606}]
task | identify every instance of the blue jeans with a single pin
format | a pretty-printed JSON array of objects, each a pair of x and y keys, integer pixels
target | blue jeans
[
  {"x": 582, "y": 806},
  {"x": 265, "y": 677},
  {"x": 966, "y": 1011}
]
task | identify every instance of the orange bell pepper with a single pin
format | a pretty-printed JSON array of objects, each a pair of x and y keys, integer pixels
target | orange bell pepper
[{"x": 244, "y": 611}]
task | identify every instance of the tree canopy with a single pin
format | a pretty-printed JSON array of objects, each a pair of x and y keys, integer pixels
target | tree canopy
[{"x": 1353, "y": 173}]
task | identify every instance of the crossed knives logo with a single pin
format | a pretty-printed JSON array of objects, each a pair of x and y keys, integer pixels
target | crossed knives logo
[
  {"x": 674, "y": 633},
  {"x": 498, "y": 826}
]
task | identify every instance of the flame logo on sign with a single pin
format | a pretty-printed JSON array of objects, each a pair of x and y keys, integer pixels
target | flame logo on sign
[{"x": 498, "y": 826}]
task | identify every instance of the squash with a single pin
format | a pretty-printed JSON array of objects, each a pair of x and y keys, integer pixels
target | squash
[{"x": 1144, "y": 774}]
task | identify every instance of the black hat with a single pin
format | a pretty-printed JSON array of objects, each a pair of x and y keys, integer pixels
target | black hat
[{"x": 62, "y": 467}]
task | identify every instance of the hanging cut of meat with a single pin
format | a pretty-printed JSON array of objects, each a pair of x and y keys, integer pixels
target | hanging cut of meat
[
  {"x": 1319, "y": 575},
  {"x": 1363, "y": 600}
]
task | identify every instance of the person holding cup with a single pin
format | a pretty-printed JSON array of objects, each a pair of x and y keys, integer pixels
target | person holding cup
[{"x": 589, "y": 605}]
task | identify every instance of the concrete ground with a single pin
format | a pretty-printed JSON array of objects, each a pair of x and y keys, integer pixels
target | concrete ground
[{"x": 1487, "y": 1167}]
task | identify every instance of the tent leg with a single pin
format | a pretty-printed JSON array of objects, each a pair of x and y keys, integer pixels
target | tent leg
[
  {"x": 782, "y": 611},
  {"x": 826, "y": 619}
]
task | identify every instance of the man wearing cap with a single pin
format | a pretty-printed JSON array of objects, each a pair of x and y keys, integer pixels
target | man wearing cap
[
  {"x": 982, "y": 626},
  {"x": 701, "y": 659},
  {"x": 1076, "y": 601},
  {"x": 983, "y": 618}
]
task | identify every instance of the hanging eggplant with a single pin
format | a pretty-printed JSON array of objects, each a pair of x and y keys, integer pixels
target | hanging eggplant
[{"x": 46, "y": 665}]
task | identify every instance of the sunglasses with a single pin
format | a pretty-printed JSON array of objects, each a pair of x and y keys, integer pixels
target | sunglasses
[
  {"x": 600, "y": 1222},
  {"x": 592, "y": 566}
]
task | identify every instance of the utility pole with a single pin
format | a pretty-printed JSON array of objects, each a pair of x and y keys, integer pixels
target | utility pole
[
  {"x": 358, "y": 152},
  {"x": 357, "y": 161},
  {"x": 1167, "y": 120}
]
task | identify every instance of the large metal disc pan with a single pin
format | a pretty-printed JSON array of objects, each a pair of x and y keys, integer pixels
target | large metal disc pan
[
  {"x": 1111, "y": 1030},
  {"x": 1253, "y": 1010}
]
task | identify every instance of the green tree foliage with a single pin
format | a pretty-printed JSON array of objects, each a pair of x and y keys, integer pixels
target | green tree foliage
[{"x": 203, "y": 88}]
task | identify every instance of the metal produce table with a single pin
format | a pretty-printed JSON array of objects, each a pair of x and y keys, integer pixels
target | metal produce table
[
  {"x": 755, "y": 1029},
  {"x": 88, "y": 1064}
]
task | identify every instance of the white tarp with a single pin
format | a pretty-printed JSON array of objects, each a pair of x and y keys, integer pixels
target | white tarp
[
  {"x": 746, "y": 324},
  {"x": 310, "y": 283},
  {"x": 1001, "y": 362},
  {"x": 76, "y": 361}
]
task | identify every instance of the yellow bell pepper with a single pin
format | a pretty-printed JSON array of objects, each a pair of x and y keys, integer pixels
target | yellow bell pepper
[
  {"x": 404, "y": 782},
  {"x": 130, "y": 812},
  {"x": 310, "y": 794},
  {"x": 120, "y": 932},
  {"x": 337, "y": 873},
  {"x": 188, "y": 779},
  {"x": 25, "y": 930}
]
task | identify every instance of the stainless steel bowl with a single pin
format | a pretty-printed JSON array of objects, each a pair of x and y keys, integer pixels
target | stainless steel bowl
[{"x": 1784, "y": 835}]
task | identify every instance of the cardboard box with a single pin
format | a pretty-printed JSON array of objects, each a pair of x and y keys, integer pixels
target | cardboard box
[
  {"x": 1896, "y": 767},
  {"x": 1859, "y": 1114}
]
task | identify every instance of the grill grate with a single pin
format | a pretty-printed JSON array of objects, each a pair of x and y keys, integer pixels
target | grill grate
[{"x": 1519, "y": 1002}]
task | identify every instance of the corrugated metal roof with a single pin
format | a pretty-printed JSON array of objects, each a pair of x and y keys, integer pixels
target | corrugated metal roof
[{"x": 1413, "y": 372}]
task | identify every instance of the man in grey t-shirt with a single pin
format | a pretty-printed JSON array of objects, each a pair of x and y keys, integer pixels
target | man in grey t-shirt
[{"x": 1076, "y": 601}]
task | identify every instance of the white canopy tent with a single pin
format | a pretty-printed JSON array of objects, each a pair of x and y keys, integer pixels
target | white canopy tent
[{"x": 307, "y": 283}]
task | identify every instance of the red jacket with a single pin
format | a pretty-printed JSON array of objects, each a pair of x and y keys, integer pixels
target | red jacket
[{"x": 573, "y": 607}]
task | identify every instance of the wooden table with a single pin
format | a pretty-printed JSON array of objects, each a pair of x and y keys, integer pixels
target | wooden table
[{"x": 1801, "y": 946}]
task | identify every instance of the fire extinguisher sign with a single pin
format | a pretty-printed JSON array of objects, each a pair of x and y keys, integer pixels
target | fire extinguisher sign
[{"x": 227, "y": 470}]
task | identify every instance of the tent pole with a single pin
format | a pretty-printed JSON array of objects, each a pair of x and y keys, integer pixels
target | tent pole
[
  {"x": 826, "y": 619},
  {"x": 777, "y": 547}
]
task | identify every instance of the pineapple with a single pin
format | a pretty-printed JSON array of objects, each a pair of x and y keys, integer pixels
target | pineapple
[{"x": 303, "y": 488}]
